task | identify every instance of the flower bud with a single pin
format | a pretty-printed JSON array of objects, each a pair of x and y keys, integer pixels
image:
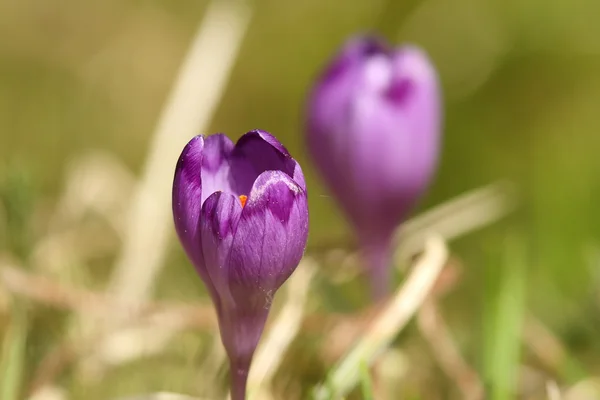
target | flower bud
[
  {"x": 241, "y": 214},
  {"x": 373, "y": 132}
]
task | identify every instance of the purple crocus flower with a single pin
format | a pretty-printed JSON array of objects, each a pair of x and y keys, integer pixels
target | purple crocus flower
[
  {"x": 241, "y": 214},
  {"x": 373, "y": 131}
]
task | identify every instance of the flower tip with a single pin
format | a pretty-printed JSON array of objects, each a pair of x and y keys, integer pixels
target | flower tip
[
  {"x": 193, "y": 141},
  {"x": 416, "y": 62}
]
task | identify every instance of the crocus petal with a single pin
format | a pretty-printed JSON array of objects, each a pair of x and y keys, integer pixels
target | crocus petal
[
  {"x": 328, "y": 106},
  {"x": 220, "y": 215},
  {"x": 330, "y": 112},
  {"x": 187, "y": 192},
  {"x": 355, "y": 50},
  {"x": 256, "y": 152},
  {"x": 394, "y": 129},
  {"x": 373, "y": 131},
  {"x": 215, "y": 165},
  {"x": 270, "y": 239}
]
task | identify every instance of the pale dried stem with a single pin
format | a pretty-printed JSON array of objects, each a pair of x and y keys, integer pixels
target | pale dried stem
[
  {"x": 494, "y": 198},
  {"x": 586, "y": 389},
  {"x": 553, "y": 391},
  {"x": 161, "y": 396},
  {"x": 444, "y": 350},
  {"x": 211, "y": 366},
  {"x": 44, "y": 290},
  {"x": 281, "y": 333},
  {"x": 50, "y": 393},
  {"x": 187, "y": 112},
  {"x": 95, "y": 181},
  {"x": 389, "y": 322},
  {"x": 544, "y": 344},
  {"x": 456, "y": 217},
  {"x": 463, "y": 214}
]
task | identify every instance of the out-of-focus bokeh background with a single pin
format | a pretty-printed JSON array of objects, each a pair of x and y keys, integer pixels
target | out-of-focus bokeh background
[{"x": 83, "y": 85}]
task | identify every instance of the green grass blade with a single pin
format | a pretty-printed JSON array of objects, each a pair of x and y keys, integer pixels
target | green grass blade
[
  {"x": 505, "y": 308},
  {"x": 365, "y": 382},
  {"x": 13, "y": 354}
]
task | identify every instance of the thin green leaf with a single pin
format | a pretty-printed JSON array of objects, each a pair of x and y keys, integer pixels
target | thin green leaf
[
  {"x": 505, "y": 307},
  {"x": 366, "y": 384},
  {"x": 13, "y": 354}
]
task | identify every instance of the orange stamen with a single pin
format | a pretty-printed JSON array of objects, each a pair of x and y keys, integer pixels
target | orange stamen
[{"x": 243, "y": 199}]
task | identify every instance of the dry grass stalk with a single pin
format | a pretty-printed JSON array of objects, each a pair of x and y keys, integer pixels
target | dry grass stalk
[
  {"x": 463, "y": 214},
  {"x": 444, "y": 350},
  {"x": 50, "y": 393},
  {"x": 282, "y": 332},
  {"x": 389, "y": 322},
  {"x": 586, "y": 389},
  {"x": 50, "y": 293},
  {"x": 161, "y": 396},
  {"x": 553, "y": 391},
  {"x": 454, "y": 218},
  {"x": 211, "y": 367},
  {"x": 202, "y": 317},
  {"x": 542, "y": 342},
  {"x": 187, "y": 112}
]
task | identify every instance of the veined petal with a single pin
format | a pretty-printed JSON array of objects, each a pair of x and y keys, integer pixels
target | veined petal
[
  {"x": 187, "y": 192},
  {"x": 216, "y": 165},
  {"x": 256, "y": 152},
  {"x": 270, "y": 239},
  {"x": 221, "y": 213}
]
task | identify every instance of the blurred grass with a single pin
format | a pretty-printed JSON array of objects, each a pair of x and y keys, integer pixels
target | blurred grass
[
  {"x": 12, "y": 362},
  {"x": 504, "y": 312},
  {"x": 522, "y": 89},
  {"x": 366, "y": 383}
]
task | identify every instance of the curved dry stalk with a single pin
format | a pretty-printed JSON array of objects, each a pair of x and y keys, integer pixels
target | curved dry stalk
[
  {"x": 50, "y": 293},
  {"x": 187, "y": 112},
  {"x": 460, "y": 215},
  {"x": 553, "y": 391},
  {"x": 210, "y": 368},
  {"x": 543, "y": 343},
  {"x": 463, "y": 214},
  {"x": 161, "y": 396},
  {"x": 586, "y": 389},
  {"x": 494, "y": 198},
  {"x": 50, "y": 393},
  {"x": 389, "y": 322},
  {"x": 445, "y": 351},
  {"x": 282, "y": 332}
]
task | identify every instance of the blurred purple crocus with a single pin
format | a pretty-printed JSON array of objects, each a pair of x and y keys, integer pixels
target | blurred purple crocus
[
  {"x": 241, "y": 214},
  {"x": 374, "y": 133}
]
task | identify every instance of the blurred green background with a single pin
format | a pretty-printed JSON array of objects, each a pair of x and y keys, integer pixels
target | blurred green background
[{"x": 521, "y": 83}]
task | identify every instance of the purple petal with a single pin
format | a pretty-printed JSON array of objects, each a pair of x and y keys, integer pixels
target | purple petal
[
  {"x": 215, "y": 165},
  {"x": 392, "y": 141},
  {"x": 270, "y": 239},
  {"x": 328, "y": 106},
  {"x": 374, "y": 132},
  {"x": 256, "y": 152},
  {"x": 187, "y": 192},
  {"x": 220, "y": 215},
  {"x": 354, "y": 51}
]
